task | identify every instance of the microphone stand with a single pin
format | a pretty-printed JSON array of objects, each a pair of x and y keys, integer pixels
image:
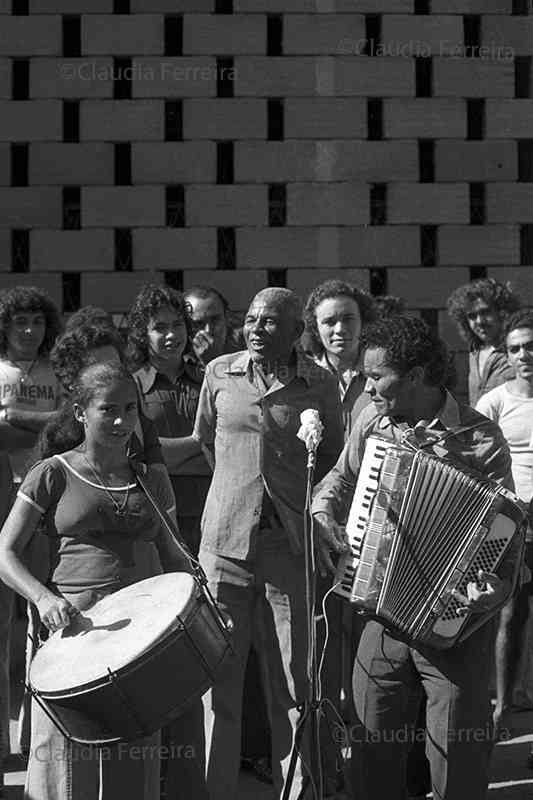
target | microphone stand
[{"x": 310, "y": 711}]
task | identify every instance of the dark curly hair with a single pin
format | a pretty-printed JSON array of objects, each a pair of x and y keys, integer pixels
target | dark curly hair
[
  {"x": 311, "y": 342},
  {"x": 386, "y": 305},
  {"x": 89, "y": 315},
  {"x": 151, "y": 299},
  {"x": 497, "y": 295},
  {"x": 63, "y": 431},
  {"x": 520, "y": 319},
  {"x": 30, "y": 299},
  {"x": 409, "y": 342},
  {"x": 71, "y": 352}
]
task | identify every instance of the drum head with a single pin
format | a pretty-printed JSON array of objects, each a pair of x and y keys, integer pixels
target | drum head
[{"x": 113, "y": 633}]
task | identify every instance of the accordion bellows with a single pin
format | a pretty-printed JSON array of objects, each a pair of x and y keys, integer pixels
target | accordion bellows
[{"x": 420, "y": 527}]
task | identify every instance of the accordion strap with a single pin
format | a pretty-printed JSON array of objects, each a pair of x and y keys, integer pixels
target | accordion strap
[{"x": 440, "y": 436}]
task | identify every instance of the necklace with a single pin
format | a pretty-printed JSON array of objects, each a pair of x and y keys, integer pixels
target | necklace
[
  {"x": 119, "y": 508},
  {"x": 25, "y": 372}
]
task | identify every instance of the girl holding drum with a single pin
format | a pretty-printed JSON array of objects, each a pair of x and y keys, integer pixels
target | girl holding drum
[{"x": 104, "y": 535}]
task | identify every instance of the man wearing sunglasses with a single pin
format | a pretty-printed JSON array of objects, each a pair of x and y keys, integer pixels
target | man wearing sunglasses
[
  {"x": 211, "y": 330},
  {"x": 510, "y": 405},
  {"x": 479, "y": 309}
]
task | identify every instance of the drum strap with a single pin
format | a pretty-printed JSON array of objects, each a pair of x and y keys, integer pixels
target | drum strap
[
  {"x": 165, "y": 518},
  {"x": 173, "y": 529}
]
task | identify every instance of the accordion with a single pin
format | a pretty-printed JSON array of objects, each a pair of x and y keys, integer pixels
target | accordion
[{"x": 419, "y": 528}]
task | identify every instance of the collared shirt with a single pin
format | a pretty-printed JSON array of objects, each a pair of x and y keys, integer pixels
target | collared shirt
[
  {"x": 171, "y": 406},
  {"x": 252, "y": 431},
  {"x": 496, "y": 370},
  {"x": 447, "y": 417},
  {"x": 352, "y": 393}
]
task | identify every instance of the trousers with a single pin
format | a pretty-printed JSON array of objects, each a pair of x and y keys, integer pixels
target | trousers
[
  {"x": 61, "y": 770},
  {"x": 389, "y": 680},
  {"x": 184, "y": 768},
  {"x": 265, "y": 597},
  {"x": 6, "y": 619}
]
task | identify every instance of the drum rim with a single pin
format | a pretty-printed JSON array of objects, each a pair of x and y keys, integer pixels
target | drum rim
[
  {"x": 177, "y": 626},
  {"x": 104, "y": 680}
]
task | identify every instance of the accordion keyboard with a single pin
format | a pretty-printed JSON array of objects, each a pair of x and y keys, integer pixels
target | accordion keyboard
[{"x": 365, "y": 491}]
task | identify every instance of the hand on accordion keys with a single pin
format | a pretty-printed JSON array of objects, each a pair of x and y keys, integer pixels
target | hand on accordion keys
[
  {"x": 331, "y": 538},
  {"x": 483, "y": 595}
]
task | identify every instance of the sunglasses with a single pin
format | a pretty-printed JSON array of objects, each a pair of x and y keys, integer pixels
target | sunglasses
[{"x": 513, "y": 349}]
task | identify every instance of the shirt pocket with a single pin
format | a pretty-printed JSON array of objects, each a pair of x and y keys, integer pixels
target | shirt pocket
[{"x": 163, "y": 413}]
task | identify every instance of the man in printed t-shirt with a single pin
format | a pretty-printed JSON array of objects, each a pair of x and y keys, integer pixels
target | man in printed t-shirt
[{"x": 29, "y": 324}]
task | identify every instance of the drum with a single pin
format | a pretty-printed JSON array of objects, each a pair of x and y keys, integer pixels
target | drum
[{"x": 132, "y": 662}]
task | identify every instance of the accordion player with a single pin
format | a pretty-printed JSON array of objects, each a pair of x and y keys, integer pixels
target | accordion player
[{"x": 421, "y": 528}]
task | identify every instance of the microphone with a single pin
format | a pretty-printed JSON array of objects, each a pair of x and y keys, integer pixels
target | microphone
[{"x": 310, "y": 433}]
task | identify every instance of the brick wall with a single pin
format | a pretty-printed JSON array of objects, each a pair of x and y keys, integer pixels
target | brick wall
[{"x": 386, "y": 141}]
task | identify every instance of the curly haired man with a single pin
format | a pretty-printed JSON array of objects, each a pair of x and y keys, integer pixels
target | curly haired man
[{"x": 479, "y": 310}]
